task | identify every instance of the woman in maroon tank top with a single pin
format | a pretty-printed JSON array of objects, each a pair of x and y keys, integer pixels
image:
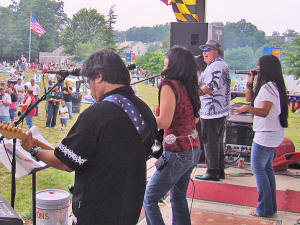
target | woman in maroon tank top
[{"x": 178, "y": 109}]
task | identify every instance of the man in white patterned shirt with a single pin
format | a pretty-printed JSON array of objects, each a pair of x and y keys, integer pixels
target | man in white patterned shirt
[{"x": 214, "y": 95}]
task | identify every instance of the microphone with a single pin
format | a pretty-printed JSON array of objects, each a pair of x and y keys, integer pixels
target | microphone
[
  {"x": 131, "y": 66},
  {"x": 74, "y": 72},
  {"x": 247, "y": 72},
  {"x": 198, "y": 56}
]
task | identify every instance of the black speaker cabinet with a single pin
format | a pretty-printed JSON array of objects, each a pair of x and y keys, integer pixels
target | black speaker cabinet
[
  {"x": 189, "y": 35},
  {"x": 239, "y": 133}
]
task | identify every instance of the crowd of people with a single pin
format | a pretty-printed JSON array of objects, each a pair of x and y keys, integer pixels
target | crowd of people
[
  {"x": 107, "y": 146},
  {"x": 16, "y": 96}
]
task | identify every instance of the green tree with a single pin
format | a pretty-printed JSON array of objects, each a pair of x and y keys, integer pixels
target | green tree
[
  {"x": 86, "y": 26},
  {"x": 290, "y": 33},
  {"x": 49, "y": 14},
  {"x": 155, "y": 63},
  {"x": 242, "y": 34},
  {"x": 166, "y": 41},
  {"x": 292, "y": 58},
  {"x": 144, "y": 34},
  {"x": 240, "y": 58},
  {"x": 109, "y": 39},
  {"x": 9, "y": 36},
  {"x": 141, "y": 61}
]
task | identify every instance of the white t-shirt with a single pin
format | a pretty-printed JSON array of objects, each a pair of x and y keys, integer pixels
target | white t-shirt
[
  {"x": 63, "y": 112},
  {"x": 51, "y": 77},
  {"x": 20, "y": 87},
  {"x": 35, "y": 89},
  {"x": 4, "y": 109},
  {"x": 268, "y": 130}
]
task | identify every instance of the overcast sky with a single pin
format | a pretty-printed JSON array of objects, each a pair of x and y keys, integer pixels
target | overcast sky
[{"x": 267, "y": 15}]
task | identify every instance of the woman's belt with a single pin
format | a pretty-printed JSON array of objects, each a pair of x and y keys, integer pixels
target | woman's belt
[{"x": 171, "y": 138}]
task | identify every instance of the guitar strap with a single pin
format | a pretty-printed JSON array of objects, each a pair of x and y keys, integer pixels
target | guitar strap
[{"x": 130, "y": 109}]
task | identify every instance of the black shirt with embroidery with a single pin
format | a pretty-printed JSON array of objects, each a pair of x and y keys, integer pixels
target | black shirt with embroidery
[{"x": 106, "y": 152}]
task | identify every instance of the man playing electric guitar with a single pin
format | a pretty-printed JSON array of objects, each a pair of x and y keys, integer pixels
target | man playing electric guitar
[{"x": 104, "y": 147}]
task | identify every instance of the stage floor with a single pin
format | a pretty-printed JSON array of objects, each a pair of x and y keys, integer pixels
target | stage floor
[{"x": 206, "y": 212}]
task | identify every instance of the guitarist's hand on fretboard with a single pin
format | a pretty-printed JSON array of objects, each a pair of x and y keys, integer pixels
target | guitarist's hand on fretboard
[{"x": 28, "y": 141}]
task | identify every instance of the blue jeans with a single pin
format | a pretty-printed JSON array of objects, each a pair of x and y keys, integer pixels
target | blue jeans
[
  {"x": 28, "y": 120},
  {"x": 262, "y": 167},
  {"x": 36, "y": 98},
  {"x": 52, "y": 115},
  {"x": 12, "y": 114},
  {"x": 69, "y": 106},
  {"x": 20, "y": 100},
  {"x": 175, "y": 177},
  {"x": 4, "y": 119}
]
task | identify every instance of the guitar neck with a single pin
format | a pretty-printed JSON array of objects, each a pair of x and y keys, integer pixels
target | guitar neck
[{"x": 11, "y": 132}]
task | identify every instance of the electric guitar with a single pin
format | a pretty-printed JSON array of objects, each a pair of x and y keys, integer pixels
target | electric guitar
[{"x": 9, "y": 131}]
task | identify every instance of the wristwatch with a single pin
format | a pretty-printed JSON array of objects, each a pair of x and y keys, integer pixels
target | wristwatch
[{"x": 34, "y": 151}]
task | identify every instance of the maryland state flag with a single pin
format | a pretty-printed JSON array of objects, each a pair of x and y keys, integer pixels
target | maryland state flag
[{"x": 185, "y": 10}]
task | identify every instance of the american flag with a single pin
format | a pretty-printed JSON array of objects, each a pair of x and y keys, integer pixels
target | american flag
[{"x": 36, "y": 27}]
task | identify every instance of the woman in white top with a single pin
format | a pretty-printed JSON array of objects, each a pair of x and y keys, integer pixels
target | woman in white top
[{"x": 270, "y": 110}]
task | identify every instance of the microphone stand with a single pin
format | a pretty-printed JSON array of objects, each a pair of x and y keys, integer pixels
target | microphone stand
[
  {"x": 13, "y": 163},
  {"x": 139, "y": 81}
]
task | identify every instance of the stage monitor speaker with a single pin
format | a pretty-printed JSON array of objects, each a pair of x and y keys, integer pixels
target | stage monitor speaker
[
  {"x": 239, "y": 133},
  {"x": 7, "y": 215},
  {"x": 189, "y": 35}
]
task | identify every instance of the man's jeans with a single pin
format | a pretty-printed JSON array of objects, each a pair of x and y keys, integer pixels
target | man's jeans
[
  {"x": 69, "y": 106},
  {"x": 52, "y": 115},
  {"x": 36, "y": 98},
  {"x": 262, "y": 167},
  {"x": 28, "y": 120},
  {"x": 212, "y": 132},
  {"x": 175, "y": 177}
]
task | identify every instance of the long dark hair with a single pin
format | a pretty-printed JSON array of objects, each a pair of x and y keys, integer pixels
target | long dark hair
[
  {"x": 183, "y": 67},
  {"x": 270, "y": 71}
]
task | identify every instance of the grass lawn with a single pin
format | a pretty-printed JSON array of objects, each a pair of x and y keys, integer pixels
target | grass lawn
[{"x": 55, "y": 179}]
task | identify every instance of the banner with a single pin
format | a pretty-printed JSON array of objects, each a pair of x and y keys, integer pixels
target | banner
[{"x": 185, "y": 10}]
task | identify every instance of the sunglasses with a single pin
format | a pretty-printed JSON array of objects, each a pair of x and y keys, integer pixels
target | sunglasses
[{"x": 206, "y": 49}]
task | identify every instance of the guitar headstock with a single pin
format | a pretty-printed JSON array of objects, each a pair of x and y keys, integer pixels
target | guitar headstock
[{"x": 9, "y": 131}]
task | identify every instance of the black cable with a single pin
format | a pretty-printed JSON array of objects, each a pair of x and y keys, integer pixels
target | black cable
[
  {"x": 289, "y": 175},
  {"x": 6, "y": 152},
  {"x": 194, "y": 188}
]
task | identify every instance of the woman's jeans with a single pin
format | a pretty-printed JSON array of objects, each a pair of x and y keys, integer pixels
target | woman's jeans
[
  {"x": 262, "y": 167},
  {"x": 174, "y": 177},
  {"x": 28, "y": 120},
  {"x": 12, "y": 114}
]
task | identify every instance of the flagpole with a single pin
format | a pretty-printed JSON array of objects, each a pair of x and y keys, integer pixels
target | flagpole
[{"x": 29, "y": 38}]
